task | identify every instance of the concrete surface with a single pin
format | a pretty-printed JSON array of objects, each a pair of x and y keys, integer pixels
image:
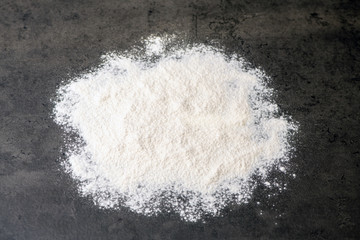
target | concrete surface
[{"x": 309, "y": 48}]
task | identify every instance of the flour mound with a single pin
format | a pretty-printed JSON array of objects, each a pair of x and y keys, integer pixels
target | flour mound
[{"x": 182, "y": 133}]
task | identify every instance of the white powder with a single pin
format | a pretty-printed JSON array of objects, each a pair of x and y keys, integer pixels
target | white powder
[
  {"x": 154, "y": 45},
  {"x": 184, "y": 133}
]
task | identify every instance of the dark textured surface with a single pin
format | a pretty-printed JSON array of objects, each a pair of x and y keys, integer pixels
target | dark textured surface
[{"x": 309, "y": 48}]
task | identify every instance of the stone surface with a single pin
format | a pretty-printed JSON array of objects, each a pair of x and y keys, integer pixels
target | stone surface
[{"x": 309, "y": 48}]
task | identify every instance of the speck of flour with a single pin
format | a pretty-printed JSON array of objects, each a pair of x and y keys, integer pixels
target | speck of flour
[{"x": 184, "y": 132}]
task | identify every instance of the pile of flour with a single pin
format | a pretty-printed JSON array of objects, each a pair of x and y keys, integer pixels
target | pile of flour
[{"x": 183, "y": 132}]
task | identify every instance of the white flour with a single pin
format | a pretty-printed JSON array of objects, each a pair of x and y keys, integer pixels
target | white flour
[{"x": 184, "y": 133}]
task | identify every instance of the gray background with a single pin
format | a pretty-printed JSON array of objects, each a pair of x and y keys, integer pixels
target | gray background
[{"x": 309, "y": 48}]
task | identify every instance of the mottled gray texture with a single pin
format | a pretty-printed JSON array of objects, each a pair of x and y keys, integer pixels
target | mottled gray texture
[{"x": 309, "y": 48}]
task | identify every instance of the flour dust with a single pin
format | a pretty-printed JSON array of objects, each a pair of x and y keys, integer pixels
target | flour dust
[{"x": 182, "y": 132}]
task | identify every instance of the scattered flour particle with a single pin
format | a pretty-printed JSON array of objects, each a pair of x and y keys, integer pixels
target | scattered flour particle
[
  {"x": 183, "y": 134},
  {"x": 154, "y": 45}
]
